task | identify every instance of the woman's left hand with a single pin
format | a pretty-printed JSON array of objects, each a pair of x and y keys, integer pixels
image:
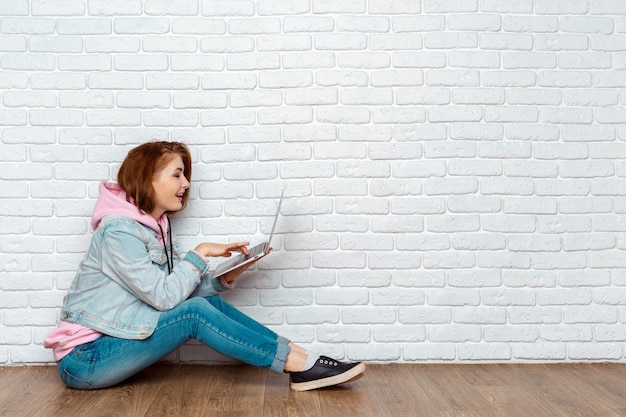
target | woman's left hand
[
  {"x": 222, "y": 249},
  {"x": 231, "y": 276}
]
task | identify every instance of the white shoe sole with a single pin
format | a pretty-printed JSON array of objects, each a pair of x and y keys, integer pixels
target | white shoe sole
[{"x": 348, "y": 376}]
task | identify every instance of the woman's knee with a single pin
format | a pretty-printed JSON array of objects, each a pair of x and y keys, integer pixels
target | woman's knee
[
  {"x": 195, "y": 305},
  {"x": 198, "y": 309}
]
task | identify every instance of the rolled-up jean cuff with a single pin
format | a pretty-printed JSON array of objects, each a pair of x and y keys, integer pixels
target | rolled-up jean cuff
[{"x": 282, "y": 351}]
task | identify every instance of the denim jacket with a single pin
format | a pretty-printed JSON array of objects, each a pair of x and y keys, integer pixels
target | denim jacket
[{"x": 123, "y": 282}]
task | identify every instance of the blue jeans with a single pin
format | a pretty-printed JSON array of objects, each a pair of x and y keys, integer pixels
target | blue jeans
[{"x": 109, "y": 360}]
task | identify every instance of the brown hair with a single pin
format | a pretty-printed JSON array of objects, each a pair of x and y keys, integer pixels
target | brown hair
[{"x": 140, "y": 165}]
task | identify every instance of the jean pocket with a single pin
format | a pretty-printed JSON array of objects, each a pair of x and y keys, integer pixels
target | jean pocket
[
  {"x": 75, "y": 382},
  {"x": 86, "y": 351}
]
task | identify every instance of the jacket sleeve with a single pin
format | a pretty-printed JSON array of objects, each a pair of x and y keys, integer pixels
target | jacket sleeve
[
  {"x": 134, "y": 263},
  {"x": 211, "y": 286}
]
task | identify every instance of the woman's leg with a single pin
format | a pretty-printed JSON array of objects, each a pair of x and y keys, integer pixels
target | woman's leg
[
  {"x": 109, "y": 360},
  {"x": 297, "y": 358},
  {"x": 223, "y": 306}
]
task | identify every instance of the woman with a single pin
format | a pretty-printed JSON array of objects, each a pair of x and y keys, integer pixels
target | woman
[{"x": 135, "y": 299}]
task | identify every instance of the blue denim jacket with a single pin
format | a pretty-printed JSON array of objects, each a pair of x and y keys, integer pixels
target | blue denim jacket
[{"x": 123, "y": 282}]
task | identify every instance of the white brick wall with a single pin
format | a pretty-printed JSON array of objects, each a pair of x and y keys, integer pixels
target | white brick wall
[{"x": 454, "y": 169}]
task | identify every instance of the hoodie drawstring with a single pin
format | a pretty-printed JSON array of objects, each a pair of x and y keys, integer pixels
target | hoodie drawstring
[{"x": 167, "y": 256}]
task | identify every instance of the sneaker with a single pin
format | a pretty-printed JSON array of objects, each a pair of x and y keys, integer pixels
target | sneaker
[{"x": 326, "y": 372}]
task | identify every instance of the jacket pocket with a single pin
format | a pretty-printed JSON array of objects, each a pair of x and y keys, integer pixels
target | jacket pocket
[{"x": 157, "y": 255}]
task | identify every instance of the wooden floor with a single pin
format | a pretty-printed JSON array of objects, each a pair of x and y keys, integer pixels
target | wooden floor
[{"x": 566, "y": 390}]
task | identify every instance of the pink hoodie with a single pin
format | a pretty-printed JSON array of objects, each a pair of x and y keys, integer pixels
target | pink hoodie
[{"x": 111, "y": 201}]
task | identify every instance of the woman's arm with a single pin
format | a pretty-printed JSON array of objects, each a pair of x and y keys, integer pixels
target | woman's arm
[{"x": 135, "y": 265}]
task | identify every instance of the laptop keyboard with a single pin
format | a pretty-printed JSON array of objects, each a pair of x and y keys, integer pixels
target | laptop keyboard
[{"x": 254, "y": 251}]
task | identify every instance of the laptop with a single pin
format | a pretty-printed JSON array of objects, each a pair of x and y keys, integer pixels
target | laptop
[{"x": 254, "y": 252}]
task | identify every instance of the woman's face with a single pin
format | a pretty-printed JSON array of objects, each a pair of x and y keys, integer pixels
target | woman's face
[{"x": 169, "y": 186}]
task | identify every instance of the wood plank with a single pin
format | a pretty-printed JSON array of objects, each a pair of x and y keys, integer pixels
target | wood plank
[
  {"x": 282, "y": 401},
  {"x": 8, "y": 374},
  {"x": 499, "y": 385},
  {"x": 133, "y": 397},
  {"x": 396, "y": 392},
  {"x": 28, "y": 383},
  {"x": 611, "y": 380},
  {"x": 548, "y": 385},
  {"x": 451, "y": 394},
  {"x": 598, "y": 381},
  {"x": 497, "y": 375},
  {"x": 185, "y": 392},
  {"x": 514, "y": 401},
  {"x": 238, "y": 390},
  {"x": 348, "y": 400},
  {"x": 64, "y": 401}
]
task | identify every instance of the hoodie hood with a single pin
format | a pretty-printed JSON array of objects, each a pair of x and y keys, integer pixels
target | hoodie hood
[{"x": 112, "y": 201}]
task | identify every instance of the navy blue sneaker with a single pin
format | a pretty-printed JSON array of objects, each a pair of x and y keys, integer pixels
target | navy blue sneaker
[{"x": 325, "y": 373}]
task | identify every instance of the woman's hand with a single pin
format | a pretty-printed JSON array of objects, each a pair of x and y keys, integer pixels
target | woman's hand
[
  {"x": 222, "y": 249},
  {"x": 231, "y": 276}
]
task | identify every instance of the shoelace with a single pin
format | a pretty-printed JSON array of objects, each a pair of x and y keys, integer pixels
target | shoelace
[{"x": 327, "y": 361}]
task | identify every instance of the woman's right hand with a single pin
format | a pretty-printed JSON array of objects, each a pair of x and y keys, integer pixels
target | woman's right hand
[{"x": 225, "y": 250}]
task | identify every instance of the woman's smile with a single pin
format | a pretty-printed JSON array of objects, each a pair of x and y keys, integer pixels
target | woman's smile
[{"x": 170, "y": 186}]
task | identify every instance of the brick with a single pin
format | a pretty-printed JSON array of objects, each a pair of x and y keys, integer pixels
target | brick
[
  {"x": 347, "y": 224},
  {"x": 29, "y": 62},
  {"x": 429, "y": 352},
  {"x": 172, "y": 81},
  {"x": 565, "y": 79},
  {"x": 338, "y": 41},
  {"x": 171, "y": 7},
  {"x": 450, "y": 186},
  {"x": 308, "y": 60},
  {"x": 475, "y": 22},
  {"x": 308, "y": 24},
  {"x": 15, "y": 8},
  {"x": 561, "y": 7},
  {"x": 529, "y": 60},
  {"x": 532, "y": 351},
  {"x": 298, "y": 316},
  {"x": 566, "y": 333},
  {"x": 474, "y": 131},
  {"x": 58, "y": 8},
  {"x": 434, "y": 6},
  {"x": 372, "y": 24},
  {"x": 141, "y": 25},
  {"x": 450, "y": 40},
  {"x": 454, "y": 333},
  {"x": 275, "y": 7},
  {"x": 525, "y": 24},
  {"x": 342, "y": 334},
  {"x": 507, "y": 6},
  {"x": 405, "y": 333},
  {"x": 228, "y": 8},
  {"x": 348, "y": 115},
  {"x": 504, "y": 41},
  {"x": 453, "y": 78},
  {"x": 471, "y": 241},
  {"x": 361, "y": 60},
  {"x": 368, "y": 315},
  {"x": 84, "y": 63},
  {"x": 509, "y": 78},
  {"x": 475, "y": 352},
  {"x": 342, "y": 78},
  {"x": 280, "y": 42},
  {"x": 115, "y": 7},
  {"x": 347, "y": 7}
]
